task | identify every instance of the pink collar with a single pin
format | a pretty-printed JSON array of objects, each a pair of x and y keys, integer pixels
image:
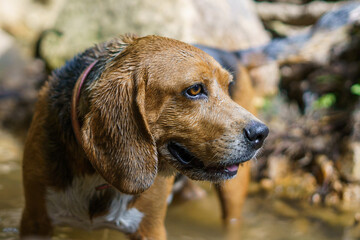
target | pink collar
[{"x": 75, "y": 101}]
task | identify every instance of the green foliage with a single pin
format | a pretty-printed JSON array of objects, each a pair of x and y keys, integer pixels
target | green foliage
[
  {"x": 325, "y": 101},
  {"x": 327, "y": 78},
  {"x": 355, "y": 89}
]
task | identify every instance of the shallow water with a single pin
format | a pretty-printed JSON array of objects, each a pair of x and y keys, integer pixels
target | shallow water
[{"x": 265, "y": 217}]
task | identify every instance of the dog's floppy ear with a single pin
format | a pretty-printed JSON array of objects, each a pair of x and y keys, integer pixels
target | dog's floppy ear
[{"x": 115, "y": 133}]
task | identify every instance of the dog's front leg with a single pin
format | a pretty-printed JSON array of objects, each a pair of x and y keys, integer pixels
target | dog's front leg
[
  {"x": 232, "y": 196},
  {"x": 153, "y": 204},
  {"x": 35, "y": 223}
]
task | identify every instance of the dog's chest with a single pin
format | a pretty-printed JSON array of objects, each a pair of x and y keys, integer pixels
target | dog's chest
[{"x": 73, "y": 207}]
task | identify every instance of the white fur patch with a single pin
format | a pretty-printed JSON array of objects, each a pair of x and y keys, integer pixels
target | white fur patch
[{"x": 71, "y": 207}]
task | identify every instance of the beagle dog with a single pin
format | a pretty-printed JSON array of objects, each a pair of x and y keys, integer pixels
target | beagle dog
[{"x": 113, "y": 126}]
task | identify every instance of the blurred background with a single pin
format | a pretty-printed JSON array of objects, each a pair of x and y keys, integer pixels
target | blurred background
[{"x": 303, "y": 58}]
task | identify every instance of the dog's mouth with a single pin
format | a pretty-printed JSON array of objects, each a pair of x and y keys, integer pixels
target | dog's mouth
[
  {"x": 183, "y": 155},
  {"x": 194, "y": 168}
]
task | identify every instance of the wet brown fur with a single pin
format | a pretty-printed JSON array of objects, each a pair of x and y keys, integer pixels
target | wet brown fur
[{"x": 131, "y": 106}]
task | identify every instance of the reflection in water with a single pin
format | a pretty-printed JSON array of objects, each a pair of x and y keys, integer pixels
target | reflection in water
[{"x": 264, "y": 217}]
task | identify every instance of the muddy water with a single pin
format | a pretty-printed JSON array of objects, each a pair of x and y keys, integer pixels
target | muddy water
[{"x": 264, "y": 217}]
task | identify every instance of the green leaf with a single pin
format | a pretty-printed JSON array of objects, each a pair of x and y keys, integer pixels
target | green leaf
[
  {"x": 325, "y": 101},
  {"x": 355, "y": 89}
]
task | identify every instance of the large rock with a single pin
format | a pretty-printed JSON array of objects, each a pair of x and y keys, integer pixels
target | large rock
[
  {"x": 227, "y": 24},
  {"x": 24, "y": 19}
]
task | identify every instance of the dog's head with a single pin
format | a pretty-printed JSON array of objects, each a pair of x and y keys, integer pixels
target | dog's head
[{"x": 161, "y": 102}]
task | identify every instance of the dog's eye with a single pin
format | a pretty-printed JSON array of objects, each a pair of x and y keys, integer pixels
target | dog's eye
[{"x": 195, "y": 91}]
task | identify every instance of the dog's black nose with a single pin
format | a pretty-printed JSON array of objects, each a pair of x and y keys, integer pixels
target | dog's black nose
[{"x": 256, "y": 133}]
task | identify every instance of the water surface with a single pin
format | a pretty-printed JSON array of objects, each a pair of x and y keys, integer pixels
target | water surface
[{"x": 265, "y": 217}]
